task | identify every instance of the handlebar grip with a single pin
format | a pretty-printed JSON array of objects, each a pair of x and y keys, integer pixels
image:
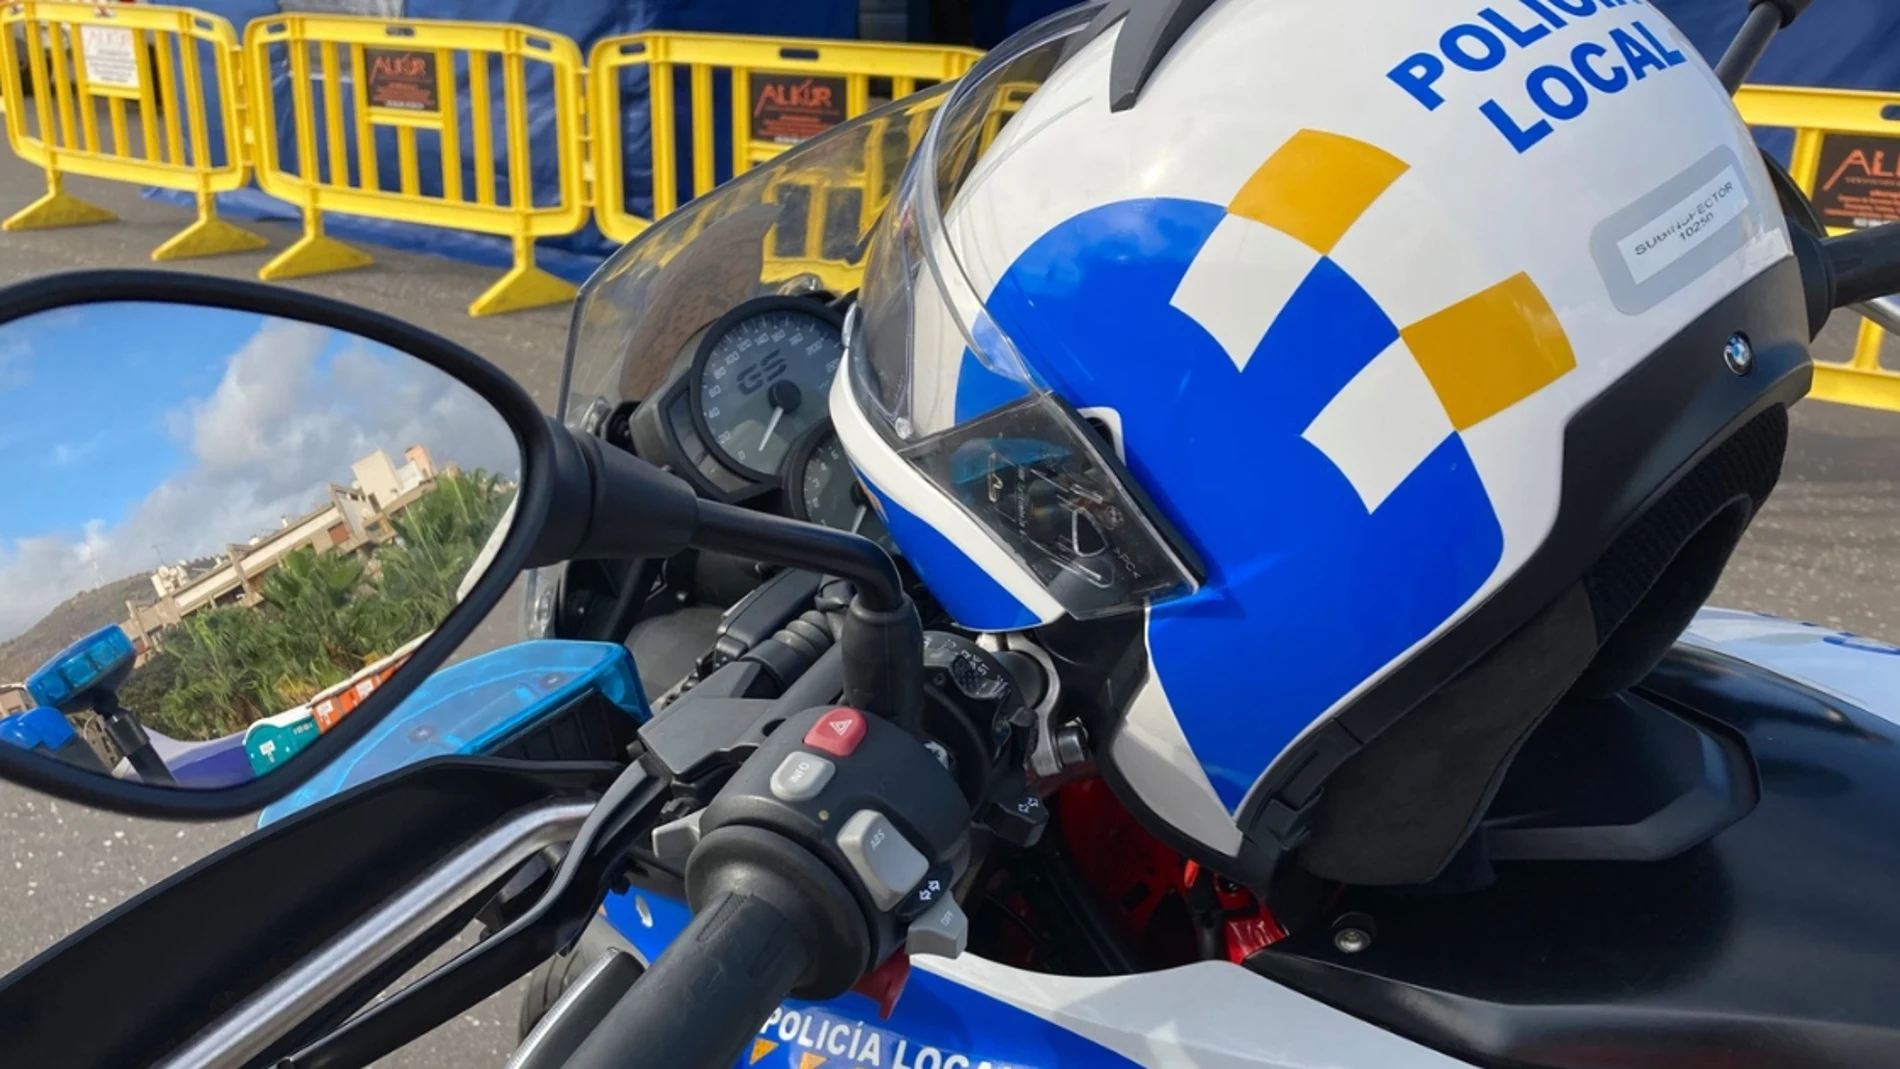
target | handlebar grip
[
  {"x": 1789, "y": 10},
  {"x": 703, "y": 1001},
  {"x": 1865, "y": 264}
]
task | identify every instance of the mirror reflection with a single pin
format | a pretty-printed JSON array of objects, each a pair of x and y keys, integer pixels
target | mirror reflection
[{"x": 224, "y": 531}]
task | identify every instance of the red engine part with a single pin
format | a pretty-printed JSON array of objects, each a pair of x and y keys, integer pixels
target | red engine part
[
  {"x": 884, "y": 985},
  {"x": 1246, "y": 924},
  {"x": 1150, "y": 890}
]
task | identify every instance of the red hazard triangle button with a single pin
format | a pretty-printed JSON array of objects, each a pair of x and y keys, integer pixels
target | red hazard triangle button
[{"x": 838, "y": 732}]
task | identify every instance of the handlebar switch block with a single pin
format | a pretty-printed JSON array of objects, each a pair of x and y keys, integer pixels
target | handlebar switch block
[
  {"x": 870, "y": 802},
  {"x": 824, "y": 863}
]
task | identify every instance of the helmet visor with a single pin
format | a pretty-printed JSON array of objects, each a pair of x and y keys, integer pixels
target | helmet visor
[{"x": 957, "y": 399}]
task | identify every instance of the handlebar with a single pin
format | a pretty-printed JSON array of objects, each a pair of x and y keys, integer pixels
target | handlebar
[
  {"x": 770, "y": 920},
  {"x": 832, "y": 849},
  {"x": 1859, "y": 270},
  {"x": 707, "y": 995},
  {"x": 1865, "y": 264}
]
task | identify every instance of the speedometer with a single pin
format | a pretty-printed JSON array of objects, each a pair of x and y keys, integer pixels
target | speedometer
[
  {"x": 762, "y": 379},
  {"x": 821, "y": 488}
]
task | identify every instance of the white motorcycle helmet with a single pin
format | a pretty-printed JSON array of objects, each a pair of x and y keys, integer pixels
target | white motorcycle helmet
[{"x": 1331, "y": 388}]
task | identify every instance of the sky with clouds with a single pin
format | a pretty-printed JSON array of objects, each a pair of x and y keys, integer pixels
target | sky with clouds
[{"x": 139, "y": 432}]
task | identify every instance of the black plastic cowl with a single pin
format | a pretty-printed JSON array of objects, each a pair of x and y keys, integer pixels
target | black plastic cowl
[{"x": 1817, "y": 291}]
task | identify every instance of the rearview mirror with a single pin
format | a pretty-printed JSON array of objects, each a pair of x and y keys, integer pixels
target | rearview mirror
[{"x": 242, "y": 524}]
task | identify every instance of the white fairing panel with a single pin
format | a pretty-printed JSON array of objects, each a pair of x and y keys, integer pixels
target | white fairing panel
[
  {"x": 1861, "y": 671},
  {"x": 1211, "y": 1015}
]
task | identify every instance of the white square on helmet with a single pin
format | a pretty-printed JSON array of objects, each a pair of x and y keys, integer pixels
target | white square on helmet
[
  {"x": 1382, "y": 425},
  {"x": 1240, "y": 281}
]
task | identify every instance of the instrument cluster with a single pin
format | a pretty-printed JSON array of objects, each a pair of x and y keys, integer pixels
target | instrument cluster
[{"x": 744, "y": 415}]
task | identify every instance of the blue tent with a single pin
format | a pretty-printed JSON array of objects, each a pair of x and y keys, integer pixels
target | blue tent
[{"x": 1839, "y": 44}]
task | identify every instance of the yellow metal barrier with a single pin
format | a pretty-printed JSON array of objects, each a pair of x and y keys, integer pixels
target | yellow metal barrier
[
  {"x": 781, "y": 91},
  {"x": 158, "y": 62},
  {"x": 825, "y": 218},
  {"x": 410, "y": 77},
  {"x": 1847, "y": 157}
]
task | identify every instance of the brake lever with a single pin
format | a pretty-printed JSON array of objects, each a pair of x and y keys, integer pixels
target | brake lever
[{"x": 593, "y": 862}]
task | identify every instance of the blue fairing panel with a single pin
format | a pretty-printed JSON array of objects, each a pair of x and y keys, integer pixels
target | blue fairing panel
[
  {"x": 477, "y": 706},
  {"x": 938, "y": 1024}
]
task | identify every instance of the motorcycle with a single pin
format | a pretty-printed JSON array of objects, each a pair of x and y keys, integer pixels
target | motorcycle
[{"x": 746, "y": 797}]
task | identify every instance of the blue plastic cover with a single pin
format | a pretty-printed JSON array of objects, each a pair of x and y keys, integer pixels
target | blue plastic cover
[
  {"x": 36, "y": 728},
  {"x": 80, "y": 666},
  {"x": 585, "y": 22},
  {"x": 478, "y": 706}
]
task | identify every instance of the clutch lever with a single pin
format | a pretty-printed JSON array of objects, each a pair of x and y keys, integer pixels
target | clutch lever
[{"x": 611, "y": 832}]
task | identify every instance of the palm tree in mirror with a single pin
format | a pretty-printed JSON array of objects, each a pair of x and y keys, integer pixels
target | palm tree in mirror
[{"x": 312, "y": 499}]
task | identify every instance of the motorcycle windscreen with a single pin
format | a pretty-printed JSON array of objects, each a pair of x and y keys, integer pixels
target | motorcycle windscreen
[{"x": 796, "y": 225}]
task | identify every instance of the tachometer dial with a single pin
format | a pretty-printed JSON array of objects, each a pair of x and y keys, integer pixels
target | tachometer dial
[
  {"x": 762, "y": 379},
  {"x": 822, "y": 488}
]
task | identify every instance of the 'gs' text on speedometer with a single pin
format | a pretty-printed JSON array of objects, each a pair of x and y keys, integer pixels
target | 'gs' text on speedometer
[{"x": 1588, "y": 59}]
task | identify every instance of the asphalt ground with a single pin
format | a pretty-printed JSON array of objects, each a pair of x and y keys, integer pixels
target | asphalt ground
[{"x": 1826, "y": 549}]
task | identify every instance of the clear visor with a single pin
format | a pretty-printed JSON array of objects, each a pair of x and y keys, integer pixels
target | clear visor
[{"x": 1030, "y": 470}]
